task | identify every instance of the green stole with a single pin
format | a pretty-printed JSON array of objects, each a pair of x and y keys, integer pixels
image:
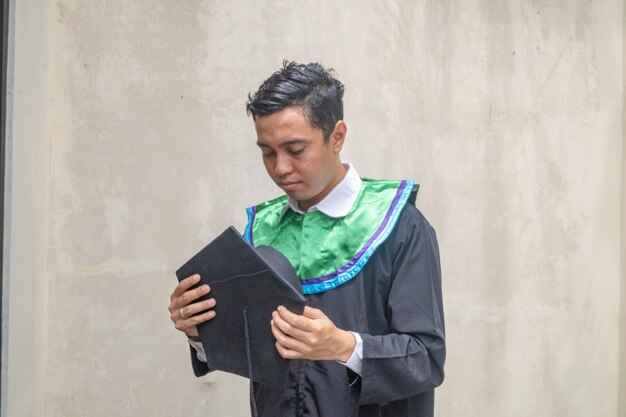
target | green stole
[{"x": 325, "y": 251}]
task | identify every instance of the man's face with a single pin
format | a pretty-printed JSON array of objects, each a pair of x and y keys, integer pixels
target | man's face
[{"x": 296, "y": 156}]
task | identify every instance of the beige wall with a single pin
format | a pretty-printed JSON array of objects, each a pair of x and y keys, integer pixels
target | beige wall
[
  {"x": 134, "y": 150},
  {"x": 622, "y": 322},
  {"x": 27, "y": 188}
]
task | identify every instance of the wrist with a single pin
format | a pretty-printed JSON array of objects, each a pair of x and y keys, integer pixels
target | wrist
[
  {"x": 194, "y": 338},
  {"x": 348, "y": 343}
]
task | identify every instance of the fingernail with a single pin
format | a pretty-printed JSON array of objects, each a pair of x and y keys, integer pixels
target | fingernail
[
  {"x": 211, "y": 314},
  {"x": 280, "y": 308},
  {"x": 196, "y": 277},
  {"x": 205, "y": 288}
]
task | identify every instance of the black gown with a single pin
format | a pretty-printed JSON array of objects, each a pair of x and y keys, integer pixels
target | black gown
[{"x": 395, "y": 304}]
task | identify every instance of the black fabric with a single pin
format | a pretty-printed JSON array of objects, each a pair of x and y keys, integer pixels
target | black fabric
[
  {"x": 395, "y": 304},
  {"x": 413, "y": 195},
  {"x": 248, "y": 284}
]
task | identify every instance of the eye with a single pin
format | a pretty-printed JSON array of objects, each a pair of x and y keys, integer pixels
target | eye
[
  {"x": 268, "y": 154},
  {"x": 297, "y": 151}
]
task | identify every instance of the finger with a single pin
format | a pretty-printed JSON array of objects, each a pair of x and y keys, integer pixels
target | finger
[
  {"x": 189, "y": 296},
  {"x": 184, "y": 285},
  {"x": 181, "y": 307},
  {"x": 286, "y": 340},
  {"x": 187, "y": 324},
  {"x": 313, "y": 313},
  {"x": 295, "y": 320},
  {"x": 195, "y": 308},
  {"x": 288, "y": 353},
  {"x": 287, "y": 328}
]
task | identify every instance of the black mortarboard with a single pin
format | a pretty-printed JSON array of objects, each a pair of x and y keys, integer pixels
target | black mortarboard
[{"x": 247, "y": 284}]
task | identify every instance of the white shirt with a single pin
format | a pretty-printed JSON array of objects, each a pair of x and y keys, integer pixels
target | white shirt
[{"x": 337, "y": 203}]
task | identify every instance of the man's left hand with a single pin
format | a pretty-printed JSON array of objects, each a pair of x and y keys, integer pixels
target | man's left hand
[{"x": 311, "y": 335}]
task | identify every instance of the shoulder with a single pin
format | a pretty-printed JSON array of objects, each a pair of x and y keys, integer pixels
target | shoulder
[
  {"x": 412, "y": 216},
  {"x": 401, "y": 194},
  {"x": 412, "y": 228}
]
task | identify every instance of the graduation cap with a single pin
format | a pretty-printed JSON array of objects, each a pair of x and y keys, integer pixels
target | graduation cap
[{"x": 248, "y": 284}]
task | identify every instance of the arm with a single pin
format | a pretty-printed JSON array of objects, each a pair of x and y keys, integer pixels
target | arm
[{"x": 408, "y": 359}]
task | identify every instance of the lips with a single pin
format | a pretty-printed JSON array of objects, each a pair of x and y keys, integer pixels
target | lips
[{"x": 287, "y": 186}]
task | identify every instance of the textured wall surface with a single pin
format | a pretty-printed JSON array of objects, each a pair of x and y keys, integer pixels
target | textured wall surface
[
  {"x": 508, "y": 113},
  {"x": 622, "y": 326},
  {"x": 26, "y": 211}
]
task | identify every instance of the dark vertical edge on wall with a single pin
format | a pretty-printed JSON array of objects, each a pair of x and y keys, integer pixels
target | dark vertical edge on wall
[{"x": 4, "y": 21}]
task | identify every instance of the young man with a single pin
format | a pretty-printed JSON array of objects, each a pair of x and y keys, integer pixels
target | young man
[{"x": 371, "y": 341}]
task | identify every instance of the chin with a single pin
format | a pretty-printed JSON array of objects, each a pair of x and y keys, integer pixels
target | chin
[
  {"x": 295, "y": 196},
  {"x": 299, "y": 197}
]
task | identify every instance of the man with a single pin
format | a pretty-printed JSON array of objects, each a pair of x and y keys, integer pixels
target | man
[{"x": 371, "y": 340}]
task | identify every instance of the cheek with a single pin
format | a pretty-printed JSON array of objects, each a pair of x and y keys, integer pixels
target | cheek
[
  {"x": 317, "y": 167},
  {"x": 269, "y": 168},
  {"x": 308, "y": 170}
]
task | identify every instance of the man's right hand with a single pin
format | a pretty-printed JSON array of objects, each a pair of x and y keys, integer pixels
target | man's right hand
[{"x": 186, "y": 314}]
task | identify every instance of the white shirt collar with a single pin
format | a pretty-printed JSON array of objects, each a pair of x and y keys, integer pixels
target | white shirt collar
[{"x": 339, "y": 201}]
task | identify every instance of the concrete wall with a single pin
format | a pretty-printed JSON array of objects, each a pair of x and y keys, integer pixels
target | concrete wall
[
  {"x": 622, "y": 326},
  {"x": 25, "y": 274},
  {"x": 134, "y": 150}
]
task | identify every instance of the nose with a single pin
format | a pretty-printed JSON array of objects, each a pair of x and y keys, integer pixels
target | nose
[{"x": 283, "y": 165}]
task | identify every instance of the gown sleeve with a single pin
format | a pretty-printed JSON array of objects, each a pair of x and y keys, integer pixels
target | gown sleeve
[
  {"x": 409, "y": 359},
  {"x": 199, "y": 368}
]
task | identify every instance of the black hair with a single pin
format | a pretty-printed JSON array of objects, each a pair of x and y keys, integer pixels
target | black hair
[{"x": 310, "y": 86}]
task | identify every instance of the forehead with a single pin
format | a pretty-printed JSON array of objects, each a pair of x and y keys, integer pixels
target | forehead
[{"x": 283, "y": 125}]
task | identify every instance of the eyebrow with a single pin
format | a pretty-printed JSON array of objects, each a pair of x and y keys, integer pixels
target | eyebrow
[{"x": 294, "y": 141}]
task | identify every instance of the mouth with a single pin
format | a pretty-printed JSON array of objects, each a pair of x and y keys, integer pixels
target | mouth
[{"x": 287, "y": 185}]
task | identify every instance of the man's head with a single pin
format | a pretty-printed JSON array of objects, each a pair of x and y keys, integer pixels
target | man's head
[
  {"x": 310, "y": 86},
  {"x": 298, "y": 115}
]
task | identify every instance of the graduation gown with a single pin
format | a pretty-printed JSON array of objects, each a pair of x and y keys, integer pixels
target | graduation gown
[{"x": 395, "y": 304}]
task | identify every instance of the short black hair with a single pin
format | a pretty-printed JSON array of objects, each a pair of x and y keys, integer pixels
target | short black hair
[{"x": 310, "y": 86}]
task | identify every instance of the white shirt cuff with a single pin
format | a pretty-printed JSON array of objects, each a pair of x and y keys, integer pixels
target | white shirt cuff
[
  {"x": 355, "y": 362},
  {"x": 200, "y": 354}
]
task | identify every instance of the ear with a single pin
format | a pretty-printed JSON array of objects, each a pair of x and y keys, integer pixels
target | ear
[{"x": 338, "y": 136}]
